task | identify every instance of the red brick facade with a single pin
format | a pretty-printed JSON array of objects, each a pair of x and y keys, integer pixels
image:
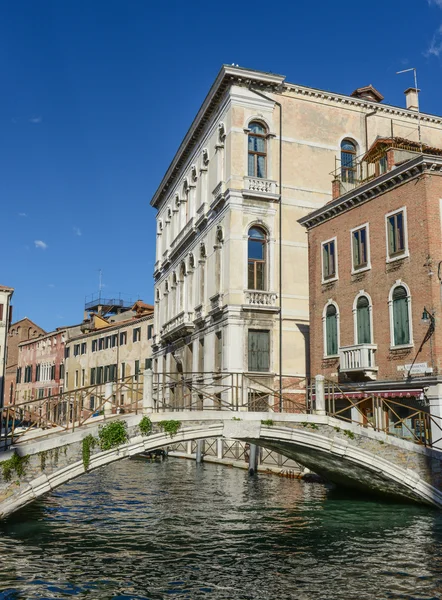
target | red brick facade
[
  {"x": 420, "y": 195},
  {"x": 21, "y": 331}
]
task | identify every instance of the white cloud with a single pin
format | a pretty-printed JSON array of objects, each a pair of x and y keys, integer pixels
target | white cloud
[
  {"x": 22, "y": 215},
  {"x": 435, "y": 3},
  {"x": 51, "y": 285},
  {"x": 76, "y": 230},
  {"x": 36, "y": 120},
  {"x": 435, "y": 47},
  {"x": 40, "y": 244}
]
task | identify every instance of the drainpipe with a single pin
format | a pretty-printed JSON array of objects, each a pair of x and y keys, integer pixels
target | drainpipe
[
  {"x": 280, "y": 238},
  {"x": 373, "y": 112}
]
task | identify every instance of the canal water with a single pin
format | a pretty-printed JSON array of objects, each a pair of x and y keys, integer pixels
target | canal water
[{"x": 137, "y": 530}]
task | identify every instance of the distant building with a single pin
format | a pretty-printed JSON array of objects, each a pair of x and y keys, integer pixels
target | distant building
[
  {"x": 20, "y": 331},
  {"x": 5, "y": 321},
  {"x": 375, "y": 270},
  {"x": 115, "y": 351},
  {"x": 40, "y": 367}
]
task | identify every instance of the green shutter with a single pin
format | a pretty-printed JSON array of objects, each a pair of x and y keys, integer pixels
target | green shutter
[
  {"x": 331, "y": 326},
  {"x": 259, "y": 351},
  {"x": 401, "y": 323},
  {"x": 363, "y": 321}
]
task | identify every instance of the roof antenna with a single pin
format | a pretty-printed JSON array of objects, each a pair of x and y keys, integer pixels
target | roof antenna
[
  {"x": 100, "y": 283},
  {"x": 417, "y": 96}
]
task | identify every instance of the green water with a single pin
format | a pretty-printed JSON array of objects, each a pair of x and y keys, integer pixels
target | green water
[{"x": 137, "y": 530}]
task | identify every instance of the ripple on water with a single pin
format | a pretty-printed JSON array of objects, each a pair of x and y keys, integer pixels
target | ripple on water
[{"x": 174, "y": 529}]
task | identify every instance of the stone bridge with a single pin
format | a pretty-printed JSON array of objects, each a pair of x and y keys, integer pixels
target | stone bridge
[{"x": 348, "y": 455}]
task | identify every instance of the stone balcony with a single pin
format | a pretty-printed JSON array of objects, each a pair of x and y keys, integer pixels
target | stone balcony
[
  {"x": 187, "y": 232},
  {"x": 216, "y": 304},
  {"x": 260, "y": 300},
  {"x": 199, "y": 314},
  {"x": 257, "y": 187},
  {"x": 180, "y": 326},
  {"x": 358, "y": 360}
]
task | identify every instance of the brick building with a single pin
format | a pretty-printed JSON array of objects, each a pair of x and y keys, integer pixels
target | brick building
[
  {"x": 375, "y": 267},
  {"x": 5, "y": 321},
  {"x": 20, "y": 331}
]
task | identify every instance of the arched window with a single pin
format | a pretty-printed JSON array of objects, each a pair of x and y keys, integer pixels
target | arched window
[
  {"x": 256, "y": 250},
  {"x": 363, "y": 317},
  {"x": 257, "y": 150},
  {"x": 348, "y": 161},
  {"x": 401, "y": 316},
  {"x": 331, "y": 330}
]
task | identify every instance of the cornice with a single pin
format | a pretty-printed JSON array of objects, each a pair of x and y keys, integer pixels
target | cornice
[
  {"x": 351, "y": 101},
  {"x": 400, "y": 175}
]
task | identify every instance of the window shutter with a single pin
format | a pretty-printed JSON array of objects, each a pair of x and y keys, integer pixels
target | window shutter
[
  {"x": 363, "y": 323},
  {"x": 401, "y": 323},
  {"x": 331, "y": 325}
]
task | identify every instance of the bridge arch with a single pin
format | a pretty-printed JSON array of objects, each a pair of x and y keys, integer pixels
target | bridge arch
[{"x": 353, "y": 457}]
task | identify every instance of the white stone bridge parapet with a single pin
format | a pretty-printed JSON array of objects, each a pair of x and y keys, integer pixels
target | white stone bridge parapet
[{"x": 346, "y": 454}]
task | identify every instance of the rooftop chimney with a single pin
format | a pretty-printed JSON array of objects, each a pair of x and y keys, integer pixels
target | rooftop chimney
[{"x": 411, "y": 96}]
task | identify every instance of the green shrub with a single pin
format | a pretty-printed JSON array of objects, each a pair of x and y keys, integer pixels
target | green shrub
[
  {"x": 89, "y": 442},
  {"x": 267, "y": 422},
  {"x": 112, "y": 435},
  {"x": 15, "y": 464},
  {"x": 170, "y": 427},
  {"x": 145, "y": 426}
]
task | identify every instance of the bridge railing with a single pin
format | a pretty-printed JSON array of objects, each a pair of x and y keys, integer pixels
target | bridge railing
[
  {"x": 72, "y": 408},
  {"x": 228, "y": 391},
  {"x": 402, "y": 414}
]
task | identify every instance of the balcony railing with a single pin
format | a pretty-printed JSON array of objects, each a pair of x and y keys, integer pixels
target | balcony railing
[
  {"x": 257, "y": 184},
  {"x": 187, "y": 230},
  {"x": 358, "y": 358},
  {"x": 258, "y": 298},
  {"x": 181, "y": 324}
]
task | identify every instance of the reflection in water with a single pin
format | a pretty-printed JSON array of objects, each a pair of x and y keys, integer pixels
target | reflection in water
[{"x": 138, "y": 530}]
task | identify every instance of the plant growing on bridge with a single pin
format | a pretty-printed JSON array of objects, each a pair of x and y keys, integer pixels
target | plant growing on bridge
[
  {"x": 236, "y": 419},
  {"x": 15, "y": 464},
  {"x": 145, "y": 426},
  {"x": 89, "y": 442},
  {"x": 171, "y": 427},
  {"x": 349, "y": 434},
  {"x": 43, "y": 456},
  {"x": 112, "y": 435},
  {"x": 267, "y": 422},
  {"x": 311, "y": 425}
]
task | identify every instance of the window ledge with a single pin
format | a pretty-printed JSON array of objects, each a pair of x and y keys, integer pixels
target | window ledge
[
  {"x": 402, "y": 346},
  {"x": 329, "y": 280},
  {"x": 391, "y": 259},
  {"x": 361, "y": 270},
  {"x": 330, "y": 356}
]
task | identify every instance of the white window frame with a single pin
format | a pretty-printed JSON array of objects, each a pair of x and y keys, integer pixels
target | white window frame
[
  {"x": 405, "y": 253},
  {"x": 400, "y": 283},
  {"x": 336, "y": 276},
  {"x": 324, "y": 328},
  {"x": 368, "y": 265},
  {"x": 355, "y": 316}
]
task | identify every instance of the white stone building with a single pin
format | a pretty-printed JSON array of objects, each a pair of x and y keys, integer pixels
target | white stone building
[{"x": 231, "y": 277}]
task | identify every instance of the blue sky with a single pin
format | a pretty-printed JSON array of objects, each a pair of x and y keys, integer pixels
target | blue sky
[{"x": 97, "y": 95}]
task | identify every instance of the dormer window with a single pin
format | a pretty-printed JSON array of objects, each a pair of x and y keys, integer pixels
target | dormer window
[{"x": 257, "y": 150}]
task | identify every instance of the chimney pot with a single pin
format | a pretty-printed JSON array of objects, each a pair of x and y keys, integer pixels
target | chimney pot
[{"x": 412, "y": 99}]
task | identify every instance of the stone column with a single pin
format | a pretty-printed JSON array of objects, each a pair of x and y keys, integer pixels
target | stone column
[
  {"x": 199, "y": 451},
  {"x": 108, "y": 391},
  {"x": 148, "y": 401},
  {"x": 319, "y": 395},
  {"x": 219, "y": 448},
  {"x": 434, "y": 396},
  {"x": 253, "y": 459}
]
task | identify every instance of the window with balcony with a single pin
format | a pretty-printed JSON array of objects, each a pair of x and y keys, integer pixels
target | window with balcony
[
  {"x": 400, "y": 316},
  {"x": 363, "y": 320},
  {"x": 329, "y": 260},
  {"x": 331, "y": 337},
  {"x": 348, "y": 161},
  {"x": 360, "y": 248},
  {"x": 256, "y": 273},
  {"x": 396, "y": 235},
  {"x": 257, "y": 150},
  {"x": 258, "y": 350}
]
